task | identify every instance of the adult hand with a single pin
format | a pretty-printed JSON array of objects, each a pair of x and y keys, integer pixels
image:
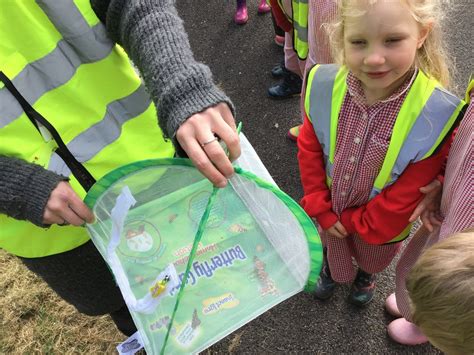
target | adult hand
[
  {"x": 197, "y": 137},
  {"x": 66, "y": 207},
  {"x": 337, "y": 230},
  {"x": 428, "y": 208}
]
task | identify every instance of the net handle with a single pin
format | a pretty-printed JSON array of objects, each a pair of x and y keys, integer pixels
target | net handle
[{"x": 192, "y": 254}]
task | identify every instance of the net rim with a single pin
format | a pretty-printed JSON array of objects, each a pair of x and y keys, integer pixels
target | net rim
[{"x": 309, "y": 229}]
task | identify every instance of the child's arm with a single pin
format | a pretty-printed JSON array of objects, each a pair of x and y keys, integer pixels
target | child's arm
[
  {"x": 387, "y": 214},
  {"x": 280, "y": 17},
  {"x": 428, "y": 209},
  {"x": 317, "y": 196}
]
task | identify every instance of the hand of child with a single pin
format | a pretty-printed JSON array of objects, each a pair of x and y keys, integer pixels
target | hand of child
[
  {"x": 337, "y": 231},
  {"x": 66, "y": 207},
  {"x": 428, "y": 208}
]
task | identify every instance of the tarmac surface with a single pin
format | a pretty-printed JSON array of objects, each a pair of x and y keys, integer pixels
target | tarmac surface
[{"x": 241, "y": 58}]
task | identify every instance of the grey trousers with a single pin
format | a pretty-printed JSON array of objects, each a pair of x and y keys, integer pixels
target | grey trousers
[{"x": 81, "y": 277}]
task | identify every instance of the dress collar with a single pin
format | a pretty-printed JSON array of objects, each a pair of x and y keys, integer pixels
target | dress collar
[{"x": 355, "y": 89}]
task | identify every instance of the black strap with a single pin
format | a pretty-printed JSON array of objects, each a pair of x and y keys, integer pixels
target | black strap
[{"x": 78, "y": 170}]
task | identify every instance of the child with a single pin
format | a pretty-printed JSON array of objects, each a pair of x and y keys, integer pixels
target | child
[
  {"x": 441, "y": 291},
  {"x": 374, "y": 133},
  {"x": 241, "y": 14},
  {"x": 306, "y": 43},
  {"x": 320, "y": 12},
  {"x": 456, "y": 207},
  {"x": 295, "y": 48}
]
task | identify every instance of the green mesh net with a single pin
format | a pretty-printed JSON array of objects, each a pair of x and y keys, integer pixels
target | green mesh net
[{"x": 195, "y": 262}]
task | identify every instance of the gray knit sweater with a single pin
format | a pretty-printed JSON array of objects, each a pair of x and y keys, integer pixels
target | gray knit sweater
[{"x": 153, "y": 35}]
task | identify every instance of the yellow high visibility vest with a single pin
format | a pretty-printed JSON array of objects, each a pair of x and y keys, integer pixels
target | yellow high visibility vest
[
  {"x": 58, "y": 56},
  {"x": 299, "y": 18},
  {"x": 427, "y": 115}
]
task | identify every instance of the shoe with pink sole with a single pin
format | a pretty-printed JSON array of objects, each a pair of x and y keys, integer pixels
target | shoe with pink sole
[
  {"x": 279, "y": 40},
  {"x": 241, "y": 14},
  {"x": 263, "y": 7},
  {"x": 391, "y": 306},
  {"x": 294, "y": 132},
  {"x": 405, "y": 332}
]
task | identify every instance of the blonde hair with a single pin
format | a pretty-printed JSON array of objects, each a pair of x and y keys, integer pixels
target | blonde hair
[
  {"x": 441, "y": 291},
  {"x": 431, "y": 58}
]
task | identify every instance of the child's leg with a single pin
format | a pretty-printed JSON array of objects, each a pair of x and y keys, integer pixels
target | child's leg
[
  {"x": 326, "y": 285},
  {"x": 371, "y": 260},
  {"x": 292, "y": 83},
  {"x": 406, "y": 262},
  {"x": 279, "y": 33},
  {"x": 294, "y": 131},
  {"x": 337, "y": 265},
  {"x": 291, "y": 58},
  {"x": 319, "y": 12},
  {"x": 363, "y": 288}
]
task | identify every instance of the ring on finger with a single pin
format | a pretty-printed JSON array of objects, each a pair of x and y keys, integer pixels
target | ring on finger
[
  {"x": 214, "y": 139},
  {"x": 65, "y": 223}
]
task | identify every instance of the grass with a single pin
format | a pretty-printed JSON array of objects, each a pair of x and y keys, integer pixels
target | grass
[{"x": 33, "y": 319}]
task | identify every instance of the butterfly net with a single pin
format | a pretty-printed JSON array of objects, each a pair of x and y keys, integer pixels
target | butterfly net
[{"x": 195, "y": 262}]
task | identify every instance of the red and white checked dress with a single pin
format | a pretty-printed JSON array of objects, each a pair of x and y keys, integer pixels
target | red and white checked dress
[
  {"x": 363, "y": 136},
  {"x": 320, "y": 12},
  {"x": 457, "y": 205}
]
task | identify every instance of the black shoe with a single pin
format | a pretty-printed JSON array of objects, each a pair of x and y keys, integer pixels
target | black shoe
[
  {"x": 290, "y": 86},
  {"x": 363, "y": 288},
  {"x": 326, "y": 285},
  {"x": 279, "y": 71}
]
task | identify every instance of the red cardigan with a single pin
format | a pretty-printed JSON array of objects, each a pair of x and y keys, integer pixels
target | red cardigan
[
  {"x": 280, "y": 17},
  {"x": 384, "y": 216}
]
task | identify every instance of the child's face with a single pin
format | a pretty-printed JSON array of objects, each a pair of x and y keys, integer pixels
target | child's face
[{"x": 380, "y": 46}]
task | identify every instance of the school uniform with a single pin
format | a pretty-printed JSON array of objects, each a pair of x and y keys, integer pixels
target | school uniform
[
  {"x": 320, "y": 13},
  {"x": 362, "y": 140},
  {"x": 456, "y": 206}
]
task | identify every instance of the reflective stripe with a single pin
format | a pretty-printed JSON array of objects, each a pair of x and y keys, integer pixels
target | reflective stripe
[
  {"x": 302, "y": 32},
  {"x": 57, "y": 67},
  {"x": 416, "y": 98},
  {"x": 50, "y": 72},
  {"x": 375, "y": 191},
  {"x": 468, "y": 90},
  {"x": 89, "y": 143},
  {"x": 427, "y": 115},
  {"x": 300, "y": 28},
  {"x": 103, "y": 90},
  {"x": 321, "y": 92},
  {"x": 431, "y": 122},
  {"x": 68, "y": 20}
]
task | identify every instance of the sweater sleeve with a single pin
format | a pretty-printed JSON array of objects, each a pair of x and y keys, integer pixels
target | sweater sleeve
[
  {"x": 153, "y": 35},
  {"x": 317, "y": 196},
  {"x": 25, "y": 189},
  {"x": 386, "y": 215},
  {"x": 280, "y": 17}
]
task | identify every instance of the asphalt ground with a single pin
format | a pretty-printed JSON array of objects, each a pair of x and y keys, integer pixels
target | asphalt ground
[{"x": 241, "y": 58}]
